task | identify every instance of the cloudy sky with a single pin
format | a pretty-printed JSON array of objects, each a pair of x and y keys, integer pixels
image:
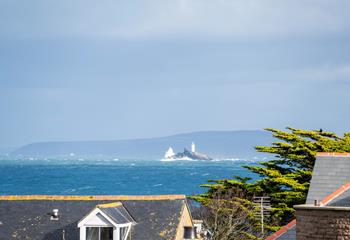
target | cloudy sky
[{"x": 83, "y": 69}]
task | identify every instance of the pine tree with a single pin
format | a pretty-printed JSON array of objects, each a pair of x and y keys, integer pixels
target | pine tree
[{"x": 285, "y": 178}]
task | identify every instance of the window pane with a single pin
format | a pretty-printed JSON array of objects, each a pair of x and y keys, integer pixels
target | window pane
[
  {"x": 188, "y": 232},
  {"x": 123, "y": 231},
  {"x": 107, "y": 233},
  {"x": 92, "y": 233}
]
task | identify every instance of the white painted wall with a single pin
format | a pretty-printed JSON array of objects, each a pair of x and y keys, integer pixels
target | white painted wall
[{"x": 98, "y": 220}]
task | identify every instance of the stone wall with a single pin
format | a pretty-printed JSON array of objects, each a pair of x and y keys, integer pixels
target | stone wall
[{"x": 322, "y": 223}]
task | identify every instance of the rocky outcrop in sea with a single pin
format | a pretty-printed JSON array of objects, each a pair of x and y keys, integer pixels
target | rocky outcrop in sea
[{"x": 186, "y": 154}]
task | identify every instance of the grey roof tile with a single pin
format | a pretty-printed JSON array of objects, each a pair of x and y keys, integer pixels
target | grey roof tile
[
  {"x": 289, "y": 235},
  {"x": 24, "y": 219},
  {"x": 329, "y": 174},
  {"x": 342, "y": 200}
]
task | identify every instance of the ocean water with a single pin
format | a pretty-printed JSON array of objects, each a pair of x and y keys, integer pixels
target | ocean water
[{"x": 113, "y": 177}]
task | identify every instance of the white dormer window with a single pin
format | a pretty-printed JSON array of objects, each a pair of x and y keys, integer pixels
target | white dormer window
[{"x": 106, "y": 222}]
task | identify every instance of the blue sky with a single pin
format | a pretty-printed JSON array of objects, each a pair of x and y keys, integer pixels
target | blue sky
[{"x": 80, "y": 70}]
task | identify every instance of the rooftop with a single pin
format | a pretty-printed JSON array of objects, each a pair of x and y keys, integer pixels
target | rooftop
[
  {"x": 28, "y": 217},
  {"x": 331, "y": 171},
  {"x": 330, "y": 184},
  {"x": 92, "y": 198}
]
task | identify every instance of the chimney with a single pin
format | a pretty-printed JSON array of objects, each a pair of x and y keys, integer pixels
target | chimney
[
  {"x": 316, "y": 203},
  {"x": 54, "y": 214}
]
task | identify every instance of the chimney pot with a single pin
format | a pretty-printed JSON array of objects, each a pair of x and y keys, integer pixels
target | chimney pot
[{"x": 316, "y": 202}]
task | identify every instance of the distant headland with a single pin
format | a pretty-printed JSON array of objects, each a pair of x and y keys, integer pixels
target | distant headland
[{"x": 217, "y": 144}]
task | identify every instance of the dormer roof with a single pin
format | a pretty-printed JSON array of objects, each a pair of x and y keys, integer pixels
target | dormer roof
[{"x": 117, "y": 212}]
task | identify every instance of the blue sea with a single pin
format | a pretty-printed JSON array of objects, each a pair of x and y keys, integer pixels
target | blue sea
[{"x": 113, "y": 177}]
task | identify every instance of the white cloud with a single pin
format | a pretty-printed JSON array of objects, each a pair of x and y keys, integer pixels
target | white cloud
[
  {"x": 339, "y": 73},
  {"x": 178, "y": 18},
  {"x": 245, "y": 18}
]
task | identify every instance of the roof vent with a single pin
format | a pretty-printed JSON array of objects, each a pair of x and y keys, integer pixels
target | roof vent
[{"x": 54, "y": 214}]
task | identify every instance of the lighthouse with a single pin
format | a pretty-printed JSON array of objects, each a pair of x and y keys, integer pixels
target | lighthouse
[{"x": 193, "y": 147}]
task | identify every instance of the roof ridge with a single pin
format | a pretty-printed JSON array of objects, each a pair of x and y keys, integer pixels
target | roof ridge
[
  {"x": 109, "y": 205},
  {"x": 333, "y": 154},
  {"x": 93, "y": 197},
  {"x": 339, "y": 191},
  {"x": 282, "y": 230}
]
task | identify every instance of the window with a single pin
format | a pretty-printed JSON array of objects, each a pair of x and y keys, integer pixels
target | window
[
  {"x": 188, "y": 233},
  {"x": 107, "y": 223},
  {"x": 123, "y": 232},
  {"x": 99, "y": 233}
]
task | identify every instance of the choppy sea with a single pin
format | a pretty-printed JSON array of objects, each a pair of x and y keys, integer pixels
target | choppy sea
[{"x": 113, "y": 177}]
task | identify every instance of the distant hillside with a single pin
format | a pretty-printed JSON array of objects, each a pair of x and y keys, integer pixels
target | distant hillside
[
  {"x": 217, "y": 144},
  {"x": 5, "y": 151}
]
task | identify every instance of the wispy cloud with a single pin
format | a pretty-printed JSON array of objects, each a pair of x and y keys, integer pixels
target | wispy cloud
[
  {"x": 325, "y": 73},
  {"x": 121, "y": 69},
  {"x": 178, "y": 18}
]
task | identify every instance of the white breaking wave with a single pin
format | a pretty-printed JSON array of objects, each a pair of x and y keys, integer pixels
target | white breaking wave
[
  {"x": 252, "y": 160},
  {"x": 170, "y": 153},
  {"x": 167, "y": 160},
  {"x": 229, "y": 159},
  {"x": 178, "y": 159}
]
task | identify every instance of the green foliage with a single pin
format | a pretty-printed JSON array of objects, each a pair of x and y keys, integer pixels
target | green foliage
[
  {"x": 228, "y": 216},
  {"x": 285, "y": 178}
]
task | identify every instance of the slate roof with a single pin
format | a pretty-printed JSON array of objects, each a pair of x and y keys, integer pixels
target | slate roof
[
  {"x": 287, "y": 232},
  {"x": 290, "y": 234},
  {"x": 117, "y": 213},
  {"x": 343, "y": 200},
  {"x": 30, "y": 219},
  {"x": 330, "y": 177},
  {"x": 331, "y": 171}
]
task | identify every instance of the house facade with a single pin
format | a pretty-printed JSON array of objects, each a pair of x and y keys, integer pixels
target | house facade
[{"x": 96, "y": 218}]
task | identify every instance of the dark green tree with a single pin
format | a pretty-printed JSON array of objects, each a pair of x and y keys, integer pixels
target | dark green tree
[{"x": 287, "y": 176}]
